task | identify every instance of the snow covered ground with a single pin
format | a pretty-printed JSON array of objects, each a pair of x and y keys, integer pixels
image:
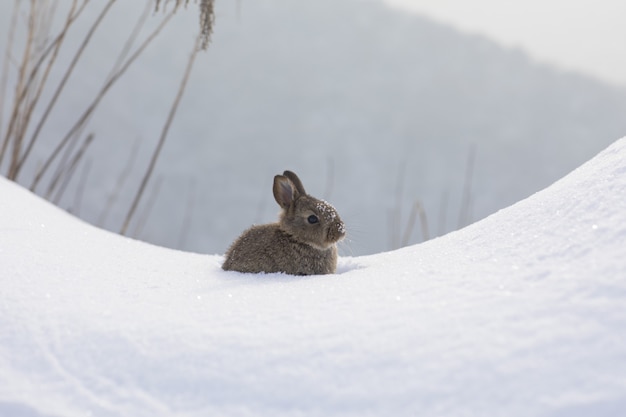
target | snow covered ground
[{"x": 521, "y": 314}]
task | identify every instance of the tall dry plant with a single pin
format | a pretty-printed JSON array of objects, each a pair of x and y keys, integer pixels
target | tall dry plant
[
  {"x": 207, "y": 18},
  {"x": 27, "y": 113},
  {"x": 400, "y": 233}
]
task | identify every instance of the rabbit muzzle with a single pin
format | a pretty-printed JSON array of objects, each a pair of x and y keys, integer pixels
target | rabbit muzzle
[
  {"x": 336, "y": 228},
  {"x": 336, "y": 232}
]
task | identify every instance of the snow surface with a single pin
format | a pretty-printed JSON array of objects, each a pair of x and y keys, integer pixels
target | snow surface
[{"x": 521, "y": 314}]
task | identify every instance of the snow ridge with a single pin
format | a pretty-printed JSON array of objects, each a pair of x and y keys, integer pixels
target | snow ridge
[{"x": 519, "y": 314}]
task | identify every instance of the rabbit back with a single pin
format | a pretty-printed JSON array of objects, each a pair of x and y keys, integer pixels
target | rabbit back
[{"x": 267, "y": 248}]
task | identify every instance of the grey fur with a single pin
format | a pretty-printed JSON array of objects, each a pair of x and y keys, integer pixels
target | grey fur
[{"x": 292, "y": 245}]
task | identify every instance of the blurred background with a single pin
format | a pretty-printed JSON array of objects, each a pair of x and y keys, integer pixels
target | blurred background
[{"x": 412, "y": 118}]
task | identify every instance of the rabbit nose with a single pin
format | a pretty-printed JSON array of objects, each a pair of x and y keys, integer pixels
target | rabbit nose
[
  {"x": 341, "y": 229},
  {"x": 337, "y": 231}
]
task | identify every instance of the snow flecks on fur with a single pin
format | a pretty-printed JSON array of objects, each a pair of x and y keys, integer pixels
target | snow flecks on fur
[{"x": 330, "y": 215}]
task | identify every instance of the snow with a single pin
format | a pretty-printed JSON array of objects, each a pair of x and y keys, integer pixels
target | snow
[{"x": 521, "y": 314}]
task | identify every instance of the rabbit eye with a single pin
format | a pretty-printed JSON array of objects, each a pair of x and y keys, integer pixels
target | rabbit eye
[{"x": 312, "y": 219}]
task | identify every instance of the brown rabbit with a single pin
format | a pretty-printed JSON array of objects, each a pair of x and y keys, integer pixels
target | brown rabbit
[{"x": 303, "y": 242}]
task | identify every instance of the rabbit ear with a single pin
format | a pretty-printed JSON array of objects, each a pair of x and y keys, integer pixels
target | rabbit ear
[
  {"x": 284, "y": 191},
  {"x": 296, "y": 181}
]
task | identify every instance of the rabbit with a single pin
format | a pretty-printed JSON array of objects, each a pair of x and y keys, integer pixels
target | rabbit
[{"x": 302, "y": 242}]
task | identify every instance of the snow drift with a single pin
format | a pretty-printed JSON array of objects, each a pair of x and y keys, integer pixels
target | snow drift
[{"x": 520, "y": 314}]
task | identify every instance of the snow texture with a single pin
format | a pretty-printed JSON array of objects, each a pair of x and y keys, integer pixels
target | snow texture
[{"x": 521, "y": 314}]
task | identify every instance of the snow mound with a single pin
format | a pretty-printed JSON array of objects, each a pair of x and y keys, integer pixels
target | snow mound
[{"x": 520, "y": 314}]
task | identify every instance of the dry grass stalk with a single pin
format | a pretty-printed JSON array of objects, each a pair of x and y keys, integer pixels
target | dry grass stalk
[
  {"x": 400, "y": 236},
  {"x": 36, "y": 81},
  {"x": 66, "y": 175},
  {"x": 395, "y": 218},
  {"x": 417, "y": 210},
  {"x": 207, "y": 18},
  {"x": 57, "y": 44},
  {"x": 39, "y": 52},
  {"x": 11, "y": 137},
  {"x": 188, "y": 217},
  {"x": 165, "y": 130},
  {"x": 91, "y": 108},
  {"x": 466, "y": 200},
  {"x": 5, "y": 73},
  {"x": 80, "y": 189},
  {"x": 150, "y": 202},
  {"x": 121, "y": 181}
]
